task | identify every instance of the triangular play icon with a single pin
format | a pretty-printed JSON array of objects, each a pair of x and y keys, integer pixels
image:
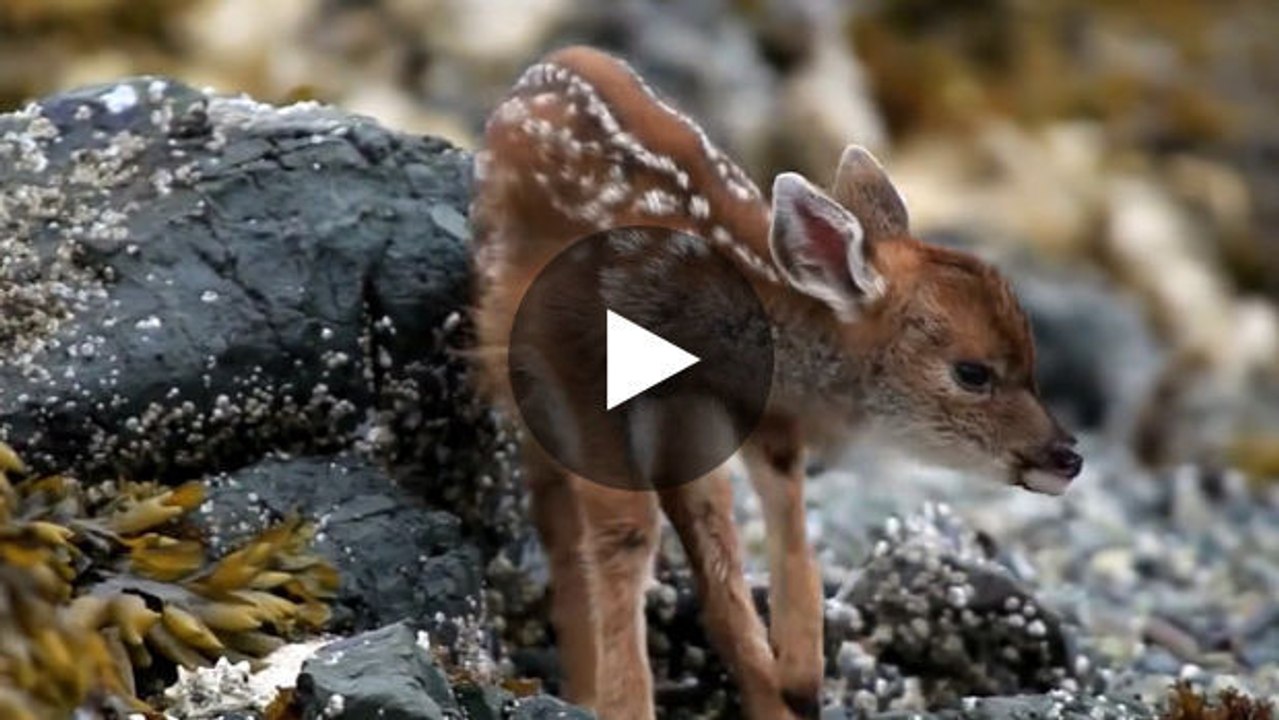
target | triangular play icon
[{"x": 638, "y": 359}]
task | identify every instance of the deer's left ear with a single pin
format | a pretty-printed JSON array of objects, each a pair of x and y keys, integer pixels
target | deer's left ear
[
  {"x": 862, "y": 186},
  {"x": 820, "y": 247}
]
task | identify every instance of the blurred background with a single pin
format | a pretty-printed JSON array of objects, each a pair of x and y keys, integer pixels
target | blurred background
[{"x": 1120, "y": 157}]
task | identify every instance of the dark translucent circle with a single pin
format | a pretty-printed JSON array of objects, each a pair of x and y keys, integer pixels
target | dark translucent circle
[{"x": 670, "y": 283}]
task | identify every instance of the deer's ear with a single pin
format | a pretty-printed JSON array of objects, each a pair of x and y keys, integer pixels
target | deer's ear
[
  {"x": 862, "y": 186},
  {"x": 820, "y": 247}
]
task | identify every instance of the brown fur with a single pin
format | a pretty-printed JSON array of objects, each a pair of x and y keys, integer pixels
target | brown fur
[{"x": 890, "y": 366}]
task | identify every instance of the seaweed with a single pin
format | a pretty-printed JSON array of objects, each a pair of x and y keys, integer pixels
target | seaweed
[
  {"x": 1185, "y": 703},
  {"x": 101, "y": 584}
]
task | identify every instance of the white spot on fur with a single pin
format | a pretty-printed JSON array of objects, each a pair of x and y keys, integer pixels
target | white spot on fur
[
  {"x": 699, "y": 207},
  {"x": 658, "y": 202},
  {"x": 545, "y": 84},
  {"x": 512, "y": 111}
]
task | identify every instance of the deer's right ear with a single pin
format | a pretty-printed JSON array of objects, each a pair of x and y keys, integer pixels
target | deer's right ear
[{"x": 820, "y": 247}]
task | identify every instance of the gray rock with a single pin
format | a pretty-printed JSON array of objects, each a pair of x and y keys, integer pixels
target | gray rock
[
  {"x": 1260, "y": 639},
  {"x": 396, "y": 558},
  {"x": 547, "y": 708},
  {"x": 933, "y": 603},
  {"x": 1065, "y": 706},
  {"x": 1097, "y": 357},
  {"x": 389, "y": 674},
  {"x": 483, "y": 702},
  {"x": 385, "y": 674},
  {"x": 193, "y": 280}
]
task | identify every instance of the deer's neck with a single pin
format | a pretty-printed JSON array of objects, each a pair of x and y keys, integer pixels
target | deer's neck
[{"x": 814, "y": 373}]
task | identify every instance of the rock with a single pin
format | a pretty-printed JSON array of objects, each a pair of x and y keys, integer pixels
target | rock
[
  {"x": 225, "y": 690},
  {"x": 828, "y": 95},
  {"x": 480, "y": 702},
  {"x": 933, "y": 603},
  {"x": 547, "y": 708},
  {"x": 1186, "y": 289},
  {"x": 1008, "y": 186},
  {"x": 390, "y": 674},
  {"x": 1225, "y": 345},
  {"x": 385, "y": 674},
  {"x": 1260, "y": 638},
  {"x": 396, "y": 558},
  {"x": 193, "y": 280},
  {"x": 1096, "y": 356},
  {"x": 1255, "y": 263},
  {"x": 1062, "y": 705}
]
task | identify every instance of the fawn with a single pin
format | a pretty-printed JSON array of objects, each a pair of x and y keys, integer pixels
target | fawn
[{"x": 875, "y": 332}]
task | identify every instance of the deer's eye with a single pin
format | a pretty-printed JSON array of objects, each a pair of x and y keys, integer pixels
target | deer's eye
[{"x": 973, "y": 376}]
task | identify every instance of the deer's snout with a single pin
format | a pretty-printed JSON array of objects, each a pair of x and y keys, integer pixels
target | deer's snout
[
  {"x": 1050, "y": 468},
  {"x": 1061, "y": 459}
]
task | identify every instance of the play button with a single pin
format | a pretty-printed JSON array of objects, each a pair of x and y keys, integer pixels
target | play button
[{"x": 640, "y": 358}]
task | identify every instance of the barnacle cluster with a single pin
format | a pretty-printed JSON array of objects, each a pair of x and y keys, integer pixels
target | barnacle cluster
[{"x": 100, "y": 585}]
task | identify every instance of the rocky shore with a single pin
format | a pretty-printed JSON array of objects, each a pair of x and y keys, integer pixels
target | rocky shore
[{"x": 272, "y": 301}]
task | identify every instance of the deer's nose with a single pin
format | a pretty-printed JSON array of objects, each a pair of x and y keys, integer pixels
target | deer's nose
[{"x": 1062, "y": 460}]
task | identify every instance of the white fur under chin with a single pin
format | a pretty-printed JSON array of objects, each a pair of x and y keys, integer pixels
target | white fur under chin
[
  {"x": 1046, "y": 483},
  {"x": 923, "y": 447}
]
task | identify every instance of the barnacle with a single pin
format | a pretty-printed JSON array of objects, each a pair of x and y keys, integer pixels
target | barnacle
[{"x": 99, "y": 584}]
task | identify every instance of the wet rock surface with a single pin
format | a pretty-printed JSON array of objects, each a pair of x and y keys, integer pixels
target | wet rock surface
[
  {"x": 192, "y": 280},
  {"x": 1136, "y": 580},
  {"x": 396, "y": 557},
  {"x": 386, "y": 673},
  {"x": 202, "y": 286},
  {"x": 937, "y": 605},
  {"x": 391, "y": 674},
  {"x": 1062, "y": 705}
]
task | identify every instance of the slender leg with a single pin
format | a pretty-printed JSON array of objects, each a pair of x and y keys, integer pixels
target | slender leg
[
  {"x": 774, "y": 460},
  {"x": 623, "y": 528},
  {"x": 558, "y": 515},
  {"x": 701, "y": 512}
]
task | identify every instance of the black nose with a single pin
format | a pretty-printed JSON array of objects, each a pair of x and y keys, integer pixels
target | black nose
[{"x": 1064, "y": 461}]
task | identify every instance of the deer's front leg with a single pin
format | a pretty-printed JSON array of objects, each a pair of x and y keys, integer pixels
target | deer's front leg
[
  {"x": 774, "y": 460},
  {"x": 702, "y": 514}
]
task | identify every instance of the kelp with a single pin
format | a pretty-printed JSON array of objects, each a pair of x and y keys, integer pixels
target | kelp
[
  {"x": 1186, "y": 703},
  {"x": 99, "y": 584}
]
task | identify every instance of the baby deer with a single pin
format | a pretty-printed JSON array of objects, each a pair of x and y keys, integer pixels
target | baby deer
[{"x": 875, "y": 332}]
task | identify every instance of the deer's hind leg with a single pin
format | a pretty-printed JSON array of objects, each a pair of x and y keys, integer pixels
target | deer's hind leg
[
  {"x": 561, "y": 525},
  {"x": 623, "y": 527}
]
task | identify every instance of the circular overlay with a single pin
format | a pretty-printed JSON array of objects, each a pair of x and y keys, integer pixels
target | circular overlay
[{"x": 641, "y": 358}]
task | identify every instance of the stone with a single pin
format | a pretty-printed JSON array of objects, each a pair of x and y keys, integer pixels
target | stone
[
  {"x": 937, "y": 606},
  {"x": 1060, "y": 705},
  {"x": 384, "y": 674},
  {"x": 1096, "y": 355},
  {"x": 481, "y": 702},
  {"x": 396, "y": 558},
  {"x": 194, "y": 280},
  {"x": 547, "y": 708}
]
